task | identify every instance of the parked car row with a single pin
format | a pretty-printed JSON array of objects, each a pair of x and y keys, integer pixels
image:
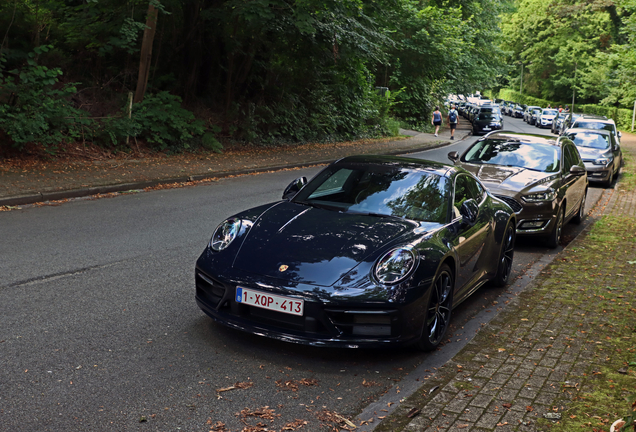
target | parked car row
[
  {"x": 596, "y": 138},
  {"x": 512, "y": 109},
  {"x": 483, "y": 118}
]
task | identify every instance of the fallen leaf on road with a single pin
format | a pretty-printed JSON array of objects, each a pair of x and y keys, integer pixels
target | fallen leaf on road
[
  {"x": 293, "y": 384},
  {"x": 296, "y": 424},
  {"x": 217, "y": 427},
  {"x": 333, "y": 417},
  {"x": 264, "y": 412},
  {"x": 238, "y": 385}
]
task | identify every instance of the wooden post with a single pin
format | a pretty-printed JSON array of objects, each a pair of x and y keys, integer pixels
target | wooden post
[
  {"x": 146, "y": 53},
  {"x": 130, "y": 104}
]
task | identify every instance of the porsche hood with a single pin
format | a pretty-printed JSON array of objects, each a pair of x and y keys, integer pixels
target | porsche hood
[{"x": 310, "y": 245}]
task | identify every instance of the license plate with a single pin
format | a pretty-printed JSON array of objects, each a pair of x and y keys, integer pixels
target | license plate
[
  {"x": 486, "y": 128},
  {"x": 270, "y": 301}
]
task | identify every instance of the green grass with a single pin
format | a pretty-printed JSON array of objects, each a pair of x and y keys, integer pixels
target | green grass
[{"x": 601, "y": 285}]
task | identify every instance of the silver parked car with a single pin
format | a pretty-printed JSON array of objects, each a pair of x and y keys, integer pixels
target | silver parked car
[
  {"x": 598, "y": 123},
  {"x": 558, "y": 121},
  {"x": 600, "y": 152},
  {"x": 527, "y": 112},
  {"x": 546, "y": 118}
]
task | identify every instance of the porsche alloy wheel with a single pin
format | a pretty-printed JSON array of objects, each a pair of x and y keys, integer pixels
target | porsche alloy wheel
[
  {"x": 504, "y": 267},
  {"x": 438, "y": 311}
]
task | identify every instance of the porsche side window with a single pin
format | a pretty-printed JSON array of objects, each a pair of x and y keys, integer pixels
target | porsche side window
[
  {"x": 332, "y": 185},
  {"x": 577, "y": 156},
  {"x": 568, "y": 158},
  {"x": 479, "y": 192},
  {"x": 465, "y": 188}
]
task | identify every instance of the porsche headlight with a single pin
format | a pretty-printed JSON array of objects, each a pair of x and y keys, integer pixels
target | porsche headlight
[
  {"x": 548, "y": 195},
  {"x": 395, "y": 266},
  {"x": 225, "y": 233}
]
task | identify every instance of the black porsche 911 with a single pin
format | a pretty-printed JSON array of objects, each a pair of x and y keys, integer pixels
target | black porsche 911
[{"x": 373, "y": 251}]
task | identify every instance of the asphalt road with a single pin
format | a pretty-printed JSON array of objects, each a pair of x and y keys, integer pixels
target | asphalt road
[{"x": 99, "y": 330}]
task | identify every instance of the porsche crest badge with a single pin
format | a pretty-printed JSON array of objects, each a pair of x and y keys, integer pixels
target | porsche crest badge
[{"x": 283, "y": 268}]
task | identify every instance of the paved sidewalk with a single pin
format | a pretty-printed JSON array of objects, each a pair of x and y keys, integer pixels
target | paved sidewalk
[
  {"x": 19, "y": 186},
  {"x": 525, "y": 367}
]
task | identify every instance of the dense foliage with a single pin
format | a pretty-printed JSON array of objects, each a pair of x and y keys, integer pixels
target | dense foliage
[
  {"x": 257, "y": 70},
  {"x": 580, "y": 48}
]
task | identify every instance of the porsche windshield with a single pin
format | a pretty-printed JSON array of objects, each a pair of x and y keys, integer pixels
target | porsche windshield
[
  {"x": 534, "y": 156},
  {"x": 380, "y": 190}
]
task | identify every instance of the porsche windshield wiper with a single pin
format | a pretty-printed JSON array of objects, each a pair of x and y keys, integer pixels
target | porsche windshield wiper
[
  {"x": 319, "y": 205},
  {"x": 381, "y": 215}
]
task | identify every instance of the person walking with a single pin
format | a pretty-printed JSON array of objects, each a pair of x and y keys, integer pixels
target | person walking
[
  {"x": 452, "y": 120},
  {"x": 436, "y": 120}
]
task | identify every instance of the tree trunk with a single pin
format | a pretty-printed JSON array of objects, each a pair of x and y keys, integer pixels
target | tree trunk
[{"x": 146, "y": 53}]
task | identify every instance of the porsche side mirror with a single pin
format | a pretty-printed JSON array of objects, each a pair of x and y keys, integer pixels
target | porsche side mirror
[
  {"x": 294, "y": 187},
  {"x": 469, "y": 212},
  {"x": 577, "y": 170},
  {"x": 453, "y": 156}
]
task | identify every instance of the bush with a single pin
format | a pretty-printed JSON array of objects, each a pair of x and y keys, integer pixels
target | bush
[
  {"x": 621, "y": 116},
  {"x": 34, "y": 109},
  {"x": 162, "y": 121}
]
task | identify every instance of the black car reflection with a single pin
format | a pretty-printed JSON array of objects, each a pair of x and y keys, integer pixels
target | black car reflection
[
  {"x": 487, "y": 121},
  {"x": 373, "y": 251}
]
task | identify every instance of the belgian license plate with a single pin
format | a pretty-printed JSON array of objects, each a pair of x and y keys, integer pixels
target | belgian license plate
[{"x": 270, "y": 301}]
